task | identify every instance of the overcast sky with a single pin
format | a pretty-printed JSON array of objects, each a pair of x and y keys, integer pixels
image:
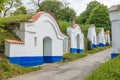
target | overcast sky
[{"x": 80, "y": 5}]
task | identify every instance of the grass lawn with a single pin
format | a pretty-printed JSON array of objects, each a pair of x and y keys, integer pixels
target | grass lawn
[{"x": 107, "y": 71}]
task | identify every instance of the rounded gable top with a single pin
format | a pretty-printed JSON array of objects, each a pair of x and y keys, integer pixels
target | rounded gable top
[
  {"x": 38, "y": 14},
  {"x": 114, "y": 8},
  {"x": 108, "y": 32}
]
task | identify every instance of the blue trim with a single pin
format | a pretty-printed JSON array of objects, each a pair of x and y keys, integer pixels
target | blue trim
[
  {"x": 73, "y": 50},
  {"x": 80, "y": 50},
  {"x": 26, "y": 61},
  {"x": 102, "y": 45},
  {"x": 113, "y": 55},
  {"x": 51, "y": 59},
  {"x": 94, "y": 46}
]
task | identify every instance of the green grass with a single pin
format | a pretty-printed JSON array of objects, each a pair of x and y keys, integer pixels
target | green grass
[
  {"x": 70, "y": 57},
  {"x": 107, "y": 71},
  {"x": 64, "y": 25},
  {"x": 3, "y": 36},
  {"x": 15, "y": 19},
  {"x": 8, "y": 70}
]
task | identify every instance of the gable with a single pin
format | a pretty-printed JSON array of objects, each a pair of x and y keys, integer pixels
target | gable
[{"x": 42, "y": 17}]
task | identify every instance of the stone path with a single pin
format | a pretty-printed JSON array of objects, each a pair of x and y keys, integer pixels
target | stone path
[{"x": 75, "y": 70}]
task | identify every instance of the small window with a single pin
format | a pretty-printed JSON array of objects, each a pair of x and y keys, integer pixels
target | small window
[{"x": 35, "y": 41}]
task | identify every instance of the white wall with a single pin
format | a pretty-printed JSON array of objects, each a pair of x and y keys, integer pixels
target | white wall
[
  {"x": 115, "y": 20},
  {"x": 45, "y": 26}
]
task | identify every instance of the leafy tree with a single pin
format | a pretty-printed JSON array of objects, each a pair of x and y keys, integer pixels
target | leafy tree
[
  {"x": 10, "y": 4},
  {"x": 99, "y": 16},
  {"x": 2, "y": 4},
  {"x": 59, "y": 9},
  {"x": 21, "y": 10},
  {"x": 51, "y": 6},
  {"x": 67, "y": 13},
  {"x": 85, "y": 15}
]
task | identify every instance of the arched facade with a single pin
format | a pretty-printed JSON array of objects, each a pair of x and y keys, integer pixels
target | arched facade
[
  {"x": 76, "y": 39},
  {"x": 92, "y": 35},
  {"x": 42, "y": 42}
]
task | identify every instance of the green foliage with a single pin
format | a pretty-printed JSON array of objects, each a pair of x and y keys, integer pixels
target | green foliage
[
  {"x": 8, "y": 23},
  {"x": 64, "y": 25},
  {"x": 67, "y": 13},
  {"x": 8, "y": 70},
  {"x": 9, "y": 5},
  {"x": 19, "y": 11},
  {"x": 85, "y": 15},
  {"x": 3, "y": 36},
  {"x": 2, "y": 2},
  {"x": 70, "y": 57},
  {"x": 107, "y": 71},
  {"x": 15, "y": 19},
  {"x": 99, "y": 16},
  {"x": 58, "y": 9},
  {"x": 51, "y": 6}
]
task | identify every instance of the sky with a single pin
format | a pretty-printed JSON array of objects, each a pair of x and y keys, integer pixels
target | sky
[{"x": 80, "y": 5}]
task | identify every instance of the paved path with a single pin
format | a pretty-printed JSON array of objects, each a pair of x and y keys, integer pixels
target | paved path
[{"x": 75, "y": 70}]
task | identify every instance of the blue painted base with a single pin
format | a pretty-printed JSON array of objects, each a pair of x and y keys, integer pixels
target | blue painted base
[
  {"x": 113, "y": 55},
  {"x": 73, "y": 50},
  {"x": 80, "y": 50},
  {"x": 94, "y": 46},
  {"x": 102, "y": 45},
  {"x": 34, "y": 61},
  {"x": 26, "y": 61},
  {"x": 51, "y": 59}
]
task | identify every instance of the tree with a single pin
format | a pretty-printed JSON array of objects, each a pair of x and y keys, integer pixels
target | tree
[
  {"x": 2, "y": 4},
  {"x": 67, "y": 13},
  {"x": 85, "y": 15},
  {"x": 21, "y": 10},
  {"x": 10, "y": 4},
  {"x": 99, "y": 16},
  {"x": 59, "y": 9},
  {"x": 51, "y": 6}
]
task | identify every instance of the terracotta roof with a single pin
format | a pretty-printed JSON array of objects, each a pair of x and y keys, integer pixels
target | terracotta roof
[
  {"x": 108, "y": 32},
  {"x": 75, "y": 25},
  {"x": 14, "y": 41},
  {"x": 114, "y": 8},
  {"x": 36, "y": 16}
]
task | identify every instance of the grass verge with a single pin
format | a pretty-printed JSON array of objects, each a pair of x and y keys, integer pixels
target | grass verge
[
  {"x": 70, "y": 57},
  {"x": 8, "y": 70},
  {"x": 107, "y": 71}
]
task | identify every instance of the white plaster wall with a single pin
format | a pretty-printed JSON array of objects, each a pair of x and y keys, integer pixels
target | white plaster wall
[
  {"x": 73, "y": 32},
  {"x": 115, "y": 20},
  {"x": 101, "y": 36},
  {"x": 45, "y": 26},
  {"x": 115, "y": 15},
  {"x": 7, "y": 49},
  {"x": 17, "y": 50},
  {"x": 92, "y": 35},
  {"x": 107, "y": 38},
  {"x": 115, "y": 36}
]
